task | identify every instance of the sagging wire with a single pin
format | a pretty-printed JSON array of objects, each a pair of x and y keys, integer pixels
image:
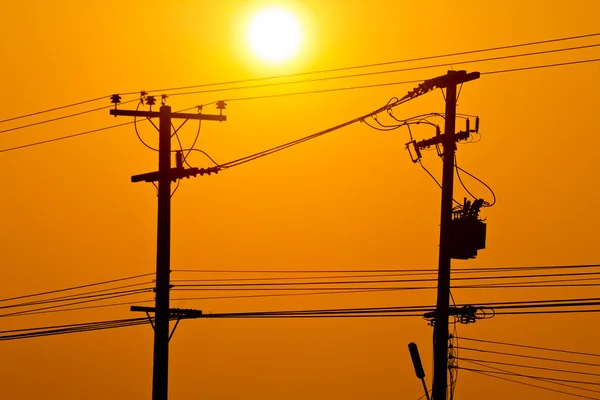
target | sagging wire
[
  {"x": 485, "y": 203},
  {"x": 141, "y": 102},
  {"x": 195, "y": 140},
  {"x": 384, "y": 128},
  {"x": 422, "y": 166}
]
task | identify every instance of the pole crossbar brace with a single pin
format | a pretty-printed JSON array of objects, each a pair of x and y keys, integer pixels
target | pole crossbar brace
[{"x": 179, "y": 313}]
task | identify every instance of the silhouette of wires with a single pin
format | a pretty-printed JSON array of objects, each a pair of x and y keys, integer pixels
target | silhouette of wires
[
  {"x": 284, "y": 146},
  {"x": 63, "y": 299},
  {"x": 28, "y": 333},
  {"x": 531, "y": 347},
  {"x": 292, "y": 94},
  {"x": 490, "y": 374},
  {"x": 393, "y": 71},
  {"x": 459, "y": 169},
  {"x": 347, "y": 68}
]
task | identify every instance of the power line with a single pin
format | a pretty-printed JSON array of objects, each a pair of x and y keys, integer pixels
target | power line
[
  {"x": 63, "y": 137},
  {"x": 69, "y": 296},
  {"x": 59, "y": 118},
  {"x": 315, "y": 72},
  {"x": 529, "y": 347},
  {"x": 531, "y": 367},
  {"x": 467, "y": 278},
  {"x": 54, "y": 109},
  {"x": 76, "y": 287},
  {"x": 284, "y": 146},
  {"x": 536, "y": 377},
  {"x": 393, "y": 71},
  {"x": 385, "y": 270},
  {"x": 533, "y": 377},
  {"x": 502, "y": 71},
  {"x": 100, "y": 297},
  {"x": 295, "y": 94},
  {"x": 530, "y": 357},
  {"x": 506, "y": 47},
  {"x": 488, "y": 373},
  {"x": 71, "y": 328}
]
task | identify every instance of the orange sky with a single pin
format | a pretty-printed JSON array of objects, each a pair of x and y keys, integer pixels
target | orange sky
[{"x": 350, "y": 200}]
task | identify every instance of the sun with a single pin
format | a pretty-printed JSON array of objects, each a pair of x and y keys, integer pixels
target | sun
[{"x": 274, "y": 34}]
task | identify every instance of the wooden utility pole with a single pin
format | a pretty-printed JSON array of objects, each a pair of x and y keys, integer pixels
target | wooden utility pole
[
  {"x": 164, "y": 176},
  {"x": 448, "y": 140}
]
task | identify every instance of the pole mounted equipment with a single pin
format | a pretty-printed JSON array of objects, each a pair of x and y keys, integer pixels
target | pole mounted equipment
[
  {"x": 164, "y": 176},
  {"x": 449, "y": 230}
]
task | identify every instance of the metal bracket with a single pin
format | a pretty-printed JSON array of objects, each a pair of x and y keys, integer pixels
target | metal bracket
[{"x": 179, "y": 313}]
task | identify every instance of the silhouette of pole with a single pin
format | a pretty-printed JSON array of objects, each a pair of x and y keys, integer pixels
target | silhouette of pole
[
  {"x": 160, "y": 376},
  {"x": 440, "y": 329},
  {"x": 164, "y": 175}
]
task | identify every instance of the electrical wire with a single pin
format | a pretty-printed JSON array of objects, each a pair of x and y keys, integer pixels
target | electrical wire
[
  {"x": 530, "y": 347},
  {"x": 353, "y": 282},
  {"x": 298, "y": 93},
  {"x": 71, "y": 328},
  {"x": 97, "y": 298},
  {"x": 136, "y": 130},
  {"x": 378, "y": 270},
  {"x": 54, "y": 109},
  {"x": 284, "y": 146},
  {"x": 538, "y": 377},
  {"x": 532, "y": 385},
  {"x": 393, "y": 71},
  {"x": 90, "y": 307},
  {"x": 533, "y": 377},
  {"x": 57, "y": 118},
  {"x": 76, "y": 287},
  {"x": 530, "y": 357},
  {"x": 63, "y": 137},
  {"x": 531, "y": 367},
  {"x": 503, "y": 71},
  {"x": 485, "y": 203},
  {"x": 69, "y": 297}
]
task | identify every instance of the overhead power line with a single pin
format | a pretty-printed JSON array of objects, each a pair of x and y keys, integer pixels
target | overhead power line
[
  {"x": 323, "y": 71},
  {"x": 379, "y": 64},
  {"x": 76, "y": 287},
  {"x": 490, "y": 374},
  {"x": 567, "y": 371},
  {"x": 385, "y": 72},
  {"x": 558, "y": 360},
  {"x": 530, "y": 347},
  {"x": 303, "y": 93}
]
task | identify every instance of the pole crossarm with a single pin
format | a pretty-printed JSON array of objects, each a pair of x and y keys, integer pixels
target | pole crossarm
[
  {"x": 175, "y": 312},
  {"x": 425, "y": 143},
  {"x": 156, "y": 114},
  {"x": 175, "y": 174},
  {"x": 452, "y": 78}
]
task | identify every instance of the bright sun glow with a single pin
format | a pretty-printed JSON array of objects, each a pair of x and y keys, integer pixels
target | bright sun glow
[{"x": 274, "y": 34}]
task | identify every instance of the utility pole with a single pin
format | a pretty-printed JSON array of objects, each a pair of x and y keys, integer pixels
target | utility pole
[
  {"x": 448, "y": 141},
  {"x": 164, "y": 176}
]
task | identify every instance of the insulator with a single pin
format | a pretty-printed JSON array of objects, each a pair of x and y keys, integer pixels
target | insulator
[
  {"x": 115, "y": 99},
  {"x": 179, "y": 159},
  {"x": 468, "y": 125},
  {"x": 477, "y": 125}
]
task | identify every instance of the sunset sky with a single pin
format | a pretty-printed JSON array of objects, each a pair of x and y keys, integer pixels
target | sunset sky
[{"x": 351, "y": 200}]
